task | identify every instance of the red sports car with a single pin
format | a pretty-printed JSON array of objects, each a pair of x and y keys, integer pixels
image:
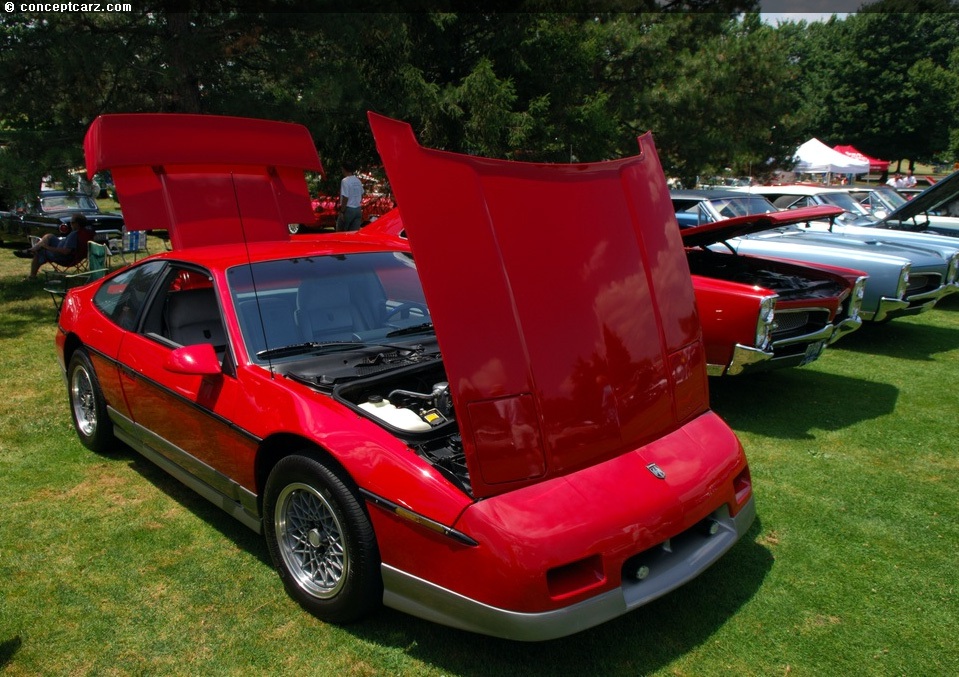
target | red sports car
[{"x": 514, "y": 445}]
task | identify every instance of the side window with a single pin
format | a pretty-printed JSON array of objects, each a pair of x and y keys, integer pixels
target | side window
[
  {"x": 122, "y": 299},
  {"x": 185, "y": 311}
]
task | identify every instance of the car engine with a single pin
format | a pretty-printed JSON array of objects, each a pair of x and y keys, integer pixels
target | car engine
[{"x": 415, "y": 405}]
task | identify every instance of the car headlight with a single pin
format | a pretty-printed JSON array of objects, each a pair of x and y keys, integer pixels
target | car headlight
[
  {"x": 856, "y": 297},
  {"x": 903, "y": 281},
  {"x": 953, "y": 271},
  {"x": 766, "y": 321}
]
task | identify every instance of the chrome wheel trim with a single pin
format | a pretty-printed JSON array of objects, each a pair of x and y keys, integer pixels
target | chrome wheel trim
[
  {"x": 311, "y": 540},
  {"x": 83, "y": 401}
]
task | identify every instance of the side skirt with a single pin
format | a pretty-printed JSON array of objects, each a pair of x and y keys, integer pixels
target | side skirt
[{"x": 189, "y": 471}]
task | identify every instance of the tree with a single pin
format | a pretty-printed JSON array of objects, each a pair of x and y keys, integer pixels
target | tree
[{"x": 881, "y": 79}]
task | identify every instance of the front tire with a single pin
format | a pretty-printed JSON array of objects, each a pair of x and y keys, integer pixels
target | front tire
[
  {"x": 87, "y": 405},
  {"x": 321, "y": 540}
]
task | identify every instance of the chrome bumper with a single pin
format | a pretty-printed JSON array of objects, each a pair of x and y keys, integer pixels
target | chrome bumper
[
  {"x": 887, "y": 308},
  {"x": 846, "y": 326},
  {"x": 747, "y": 358}
]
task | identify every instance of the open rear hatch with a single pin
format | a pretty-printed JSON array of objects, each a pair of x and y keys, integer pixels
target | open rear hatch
[{"x": 206, "y": 179}]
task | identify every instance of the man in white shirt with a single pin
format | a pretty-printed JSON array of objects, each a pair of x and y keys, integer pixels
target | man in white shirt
[{"x": 351, "y": 195}]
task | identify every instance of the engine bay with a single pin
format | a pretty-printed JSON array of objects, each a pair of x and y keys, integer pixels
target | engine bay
[
  {"x": 787, "y": 280},
  {"x": 415, "y": 405}
]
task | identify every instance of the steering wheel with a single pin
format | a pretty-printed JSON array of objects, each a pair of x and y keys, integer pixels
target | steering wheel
[{"x": 404, "y": 309}]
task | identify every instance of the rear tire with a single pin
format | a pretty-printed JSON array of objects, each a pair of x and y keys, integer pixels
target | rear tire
[
  {"x": 88, "y": 408},
  {"x": 321, "y": 540}
]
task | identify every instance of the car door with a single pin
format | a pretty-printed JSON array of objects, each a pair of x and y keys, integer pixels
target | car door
[{"x": 185, "y": 417}]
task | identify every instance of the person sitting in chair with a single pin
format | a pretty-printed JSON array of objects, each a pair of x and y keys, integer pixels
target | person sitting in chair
[{"x": 56, "y": 249}]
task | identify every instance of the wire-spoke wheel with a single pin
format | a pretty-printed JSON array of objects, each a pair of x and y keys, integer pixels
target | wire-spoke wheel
[
  {"x": 87, "y": 406},
  {"x": 310, "y": 539},
  {"x": 321, "y": 539}
]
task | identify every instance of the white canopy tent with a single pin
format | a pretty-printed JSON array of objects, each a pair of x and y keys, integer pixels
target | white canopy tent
[{"x": 815, "y": 157}]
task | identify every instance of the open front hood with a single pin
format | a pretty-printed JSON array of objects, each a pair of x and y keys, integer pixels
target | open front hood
[
  {"x": 562, "y": 303},
  {"x": 930, "y": 199},
  {"x": 710, "y": 233},
  {"x": 205, "y": 179}
]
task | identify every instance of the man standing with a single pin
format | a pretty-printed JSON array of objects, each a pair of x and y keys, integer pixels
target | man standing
[{"x": 351, "y": 195}]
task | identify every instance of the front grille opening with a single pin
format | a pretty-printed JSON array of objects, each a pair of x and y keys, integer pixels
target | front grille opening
[
  {"x": 921, "y": 283},
  {"x": 789, "y": 324}
]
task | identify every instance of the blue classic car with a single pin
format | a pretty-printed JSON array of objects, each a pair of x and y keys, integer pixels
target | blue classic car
[{"x": 903, "y": 280}]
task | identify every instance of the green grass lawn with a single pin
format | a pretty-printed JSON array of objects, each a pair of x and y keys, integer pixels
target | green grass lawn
[{"x": 108, "y": 566}]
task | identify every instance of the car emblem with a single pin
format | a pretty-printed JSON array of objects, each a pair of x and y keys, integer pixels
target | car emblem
[{"x": 656, "y": 470}]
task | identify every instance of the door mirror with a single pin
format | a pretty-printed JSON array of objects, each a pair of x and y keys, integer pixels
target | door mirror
[{"x": 198, "y": 360}]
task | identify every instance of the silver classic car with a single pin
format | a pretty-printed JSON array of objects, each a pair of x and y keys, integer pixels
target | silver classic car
[
  {"x": 903, "y": 280},
  {"x": 873, "y": 222}
]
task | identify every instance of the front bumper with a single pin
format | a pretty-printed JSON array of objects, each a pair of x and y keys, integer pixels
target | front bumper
[
  {"x": 669, "y": 565},
  {"x": 804, "y": 349}
]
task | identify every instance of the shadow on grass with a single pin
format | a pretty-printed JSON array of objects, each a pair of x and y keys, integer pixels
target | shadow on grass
[
  {"x": 950, "y": 303},
  {"x": 8, "y": 650},
  {"x": 901, "y": 339},
  {"x": 791, "y": 403},
  {"x": 641, "y": 642},
  {"x": 203, "y": 509}
]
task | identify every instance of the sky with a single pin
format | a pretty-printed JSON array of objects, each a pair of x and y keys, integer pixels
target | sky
[
  {"x": 774, "y": 11},
  {"x": 774, "y": 18}
]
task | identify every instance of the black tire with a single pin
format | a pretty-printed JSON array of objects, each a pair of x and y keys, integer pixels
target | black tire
[
  {"x": 87, "y": 405},
  {"x": 321, "y": 540}
]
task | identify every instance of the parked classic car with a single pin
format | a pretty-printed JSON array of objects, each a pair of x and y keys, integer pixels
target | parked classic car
[
  {"x": 859, "y": 225},
  {"x": 934, "y": 211},
  {"x": 763, "y": 313},
  {"x": 902, "y": 281},
  {"x": 50, "y": 212},
  {"x": 543, "y": 462}
]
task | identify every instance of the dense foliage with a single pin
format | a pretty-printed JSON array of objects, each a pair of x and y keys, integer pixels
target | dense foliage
[{"x": 719, "y": 88}]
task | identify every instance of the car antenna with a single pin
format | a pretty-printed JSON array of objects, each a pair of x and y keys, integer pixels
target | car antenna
[{"x": 249, "y": 263}]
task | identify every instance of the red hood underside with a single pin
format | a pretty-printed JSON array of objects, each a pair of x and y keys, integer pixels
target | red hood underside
[{"x": 561, "y": 299}]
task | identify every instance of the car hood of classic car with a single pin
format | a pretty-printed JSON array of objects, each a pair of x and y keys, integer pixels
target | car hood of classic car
[
  {"x": 931, "y": 199},
  {"x": 719, "y": 231},
  {"x": 562, "y": 303}
]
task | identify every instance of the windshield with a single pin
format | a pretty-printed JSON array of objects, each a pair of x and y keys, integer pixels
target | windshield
[
  {"x": 892, "y": 199},
  {"x": 844, "y": 201},
  {"x": 730, "y": 207},
  {"x": 323, "y": 304},
  {"x": 67, "y": 203}
]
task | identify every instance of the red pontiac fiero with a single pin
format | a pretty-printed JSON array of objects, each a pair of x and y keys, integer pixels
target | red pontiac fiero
[{"x": 511, "y": 443}]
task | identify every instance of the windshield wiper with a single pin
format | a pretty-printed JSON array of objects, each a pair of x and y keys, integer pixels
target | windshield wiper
[
  {"x": 307, "y": 347},
  {"x": 415, "y": 329}
]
